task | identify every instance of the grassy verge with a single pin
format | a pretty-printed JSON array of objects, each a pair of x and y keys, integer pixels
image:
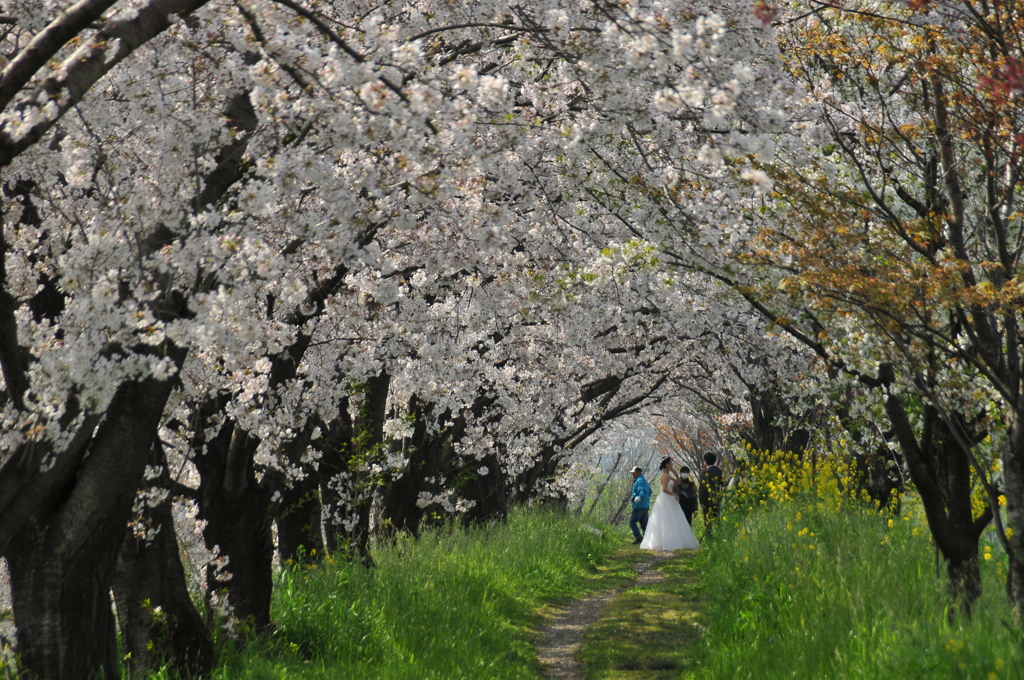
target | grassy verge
[
  {"x": 650, "y": 631},
  {"x": 801, "y": 591},
  {"x": 454, "y": 604}
]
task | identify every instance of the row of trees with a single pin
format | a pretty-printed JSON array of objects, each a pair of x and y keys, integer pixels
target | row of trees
[
  {"x": 879, "y": 231},
  {"x": 893, "y": 248},
  {"x": 345, "y": 267},
  {"x": 317, "y": 267}
]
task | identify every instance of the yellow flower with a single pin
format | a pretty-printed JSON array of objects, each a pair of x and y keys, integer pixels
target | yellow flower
[
  {"x": 1002, "y": 500},
  {"x": 999, "y": 664},
  {"x": 891, "y": 523},
  {"x": 1009, "y": 532}
]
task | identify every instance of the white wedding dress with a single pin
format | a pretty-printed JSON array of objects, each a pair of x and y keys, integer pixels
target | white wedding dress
[{"x": 667, "y": 529}]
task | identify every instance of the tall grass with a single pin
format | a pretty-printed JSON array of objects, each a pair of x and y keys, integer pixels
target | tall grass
[
  {"x": 800, "y": 588},
  {"x": 454, "y": 604}
]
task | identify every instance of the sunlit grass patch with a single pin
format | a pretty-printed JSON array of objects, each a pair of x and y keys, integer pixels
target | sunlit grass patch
[
  {"x": 454, "y": 604},
  {"x": 810, "y": 590},
  {"x": 647, "y": 632}
]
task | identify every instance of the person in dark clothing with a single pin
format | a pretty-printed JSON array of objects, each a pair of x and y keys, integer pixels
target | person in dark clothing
[
  {"x": 712, "y": 484},
  {"x": 687, "y": 491}
]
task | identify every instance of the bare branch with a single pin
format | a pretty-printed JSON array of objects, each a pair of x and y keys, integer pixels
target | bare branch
[
  {"x": 323, "y": 27},
  {"x": 507, "y": 27}
]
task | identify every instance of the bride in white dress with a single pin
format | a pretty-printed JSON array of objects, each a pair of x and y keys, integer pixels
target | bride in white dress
[{"x": 667, "y": 529}]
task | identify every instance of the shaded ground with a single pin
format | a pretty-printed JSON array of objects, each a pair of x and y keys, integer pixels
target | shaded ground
[{"x": 643, "y": 631}]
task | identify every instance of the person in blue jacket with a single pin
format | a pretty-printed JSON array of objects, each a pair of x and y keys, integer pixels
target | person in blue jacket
[{"x": 641, "y": 505}]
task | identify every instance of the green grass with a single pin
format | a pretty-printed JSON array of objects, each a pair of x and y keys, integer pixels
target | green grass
[
  {"x": 793, "y": 591},
  {"x": 803, "y": 592},
  {"x": 454, "y": 604},
  {"x": 648, "y": 632}
]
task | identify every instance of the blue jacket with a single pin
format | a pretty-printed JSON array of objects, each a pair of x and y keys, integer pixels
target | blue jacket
[{"x": 641, "y": 490}]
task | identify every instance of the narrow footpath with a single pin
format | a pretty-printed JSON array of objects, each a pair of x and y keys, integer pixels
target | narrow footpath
[{"x": 641, "y": 632}]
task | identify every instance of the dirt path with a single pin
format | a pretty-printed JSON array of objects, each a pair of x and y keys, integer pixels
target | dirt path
[{"x": 564, "y": 634}]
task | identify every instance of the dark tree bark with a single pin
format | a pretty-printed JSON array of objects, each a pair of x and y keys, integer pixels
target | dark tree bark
[
  {"x": 768, "y": 434},
  {"x": 62, "y": 561},
  {"x": 158, "y": 620},
  {"x": 298, "y": 519},
  {"x": 431, "y": 455},
  {"x": 347, "y": 488},
  {"x": 880, "y": 475},
  {"x": 297, "y": 510},
  {"x": 489, "y": 492},
  {"x": 526, "y": 483},
  {"x": 1013, "y": 480},
  {"x": 236, "y": 510},
  {"x": 425, "y": 452},
  {"x": 940, "y": 469}
]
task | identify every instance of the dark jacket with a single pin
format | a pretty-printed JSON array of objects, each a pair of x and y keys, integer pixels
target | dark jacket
[
  {"x": 687, "y": 492},
  {"x": 711, "y": 486}
]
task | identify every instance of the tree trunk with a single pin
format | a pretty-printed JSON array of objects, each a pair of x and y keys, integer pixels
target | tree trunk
[
  {"x": 333, "y": 478},
  {"x": 964, "y": 575},
  {"x": 398, "y": 509},
  {"x": 159, "y": 623},
  {"x": 489, "y": 492},
  {"x": 769, "y": 409},
  {"x": 1013, "y": 483},
  {"x": 428, "y": 458},
  {"x": 527, "y": 483},
  {"x": 65, "y": 626},
  {"x": 940, "y": 470},
  {"x": 236, "y": 511},
  {"x": 297, "y": 513},
  {"x": 348, "y": 486},
  {"x": 62, "y": 562}
]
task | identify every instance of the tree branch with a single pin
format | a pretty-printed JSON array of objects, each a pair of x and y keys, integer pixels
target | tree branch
[
  {"x": 323, "y": 27},
  {"x": 79, "y": 72},
  {"x": 508, "y": 27},
  {"x": 11, "y": 361},
  {"x": 45, "y": 45}
]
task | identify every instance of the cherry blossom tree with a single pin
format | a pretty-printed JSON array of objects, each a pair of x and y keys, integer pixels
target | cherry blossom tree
[
  {"x": 917, "y": 273},
  {"x": 229, "y": 227},
  {"x": 872, "y": 248}
]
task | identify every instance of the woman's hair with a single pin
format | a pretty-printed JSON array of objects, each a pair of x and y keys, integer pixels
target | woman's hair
[{"x": 664, "y": 461}]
